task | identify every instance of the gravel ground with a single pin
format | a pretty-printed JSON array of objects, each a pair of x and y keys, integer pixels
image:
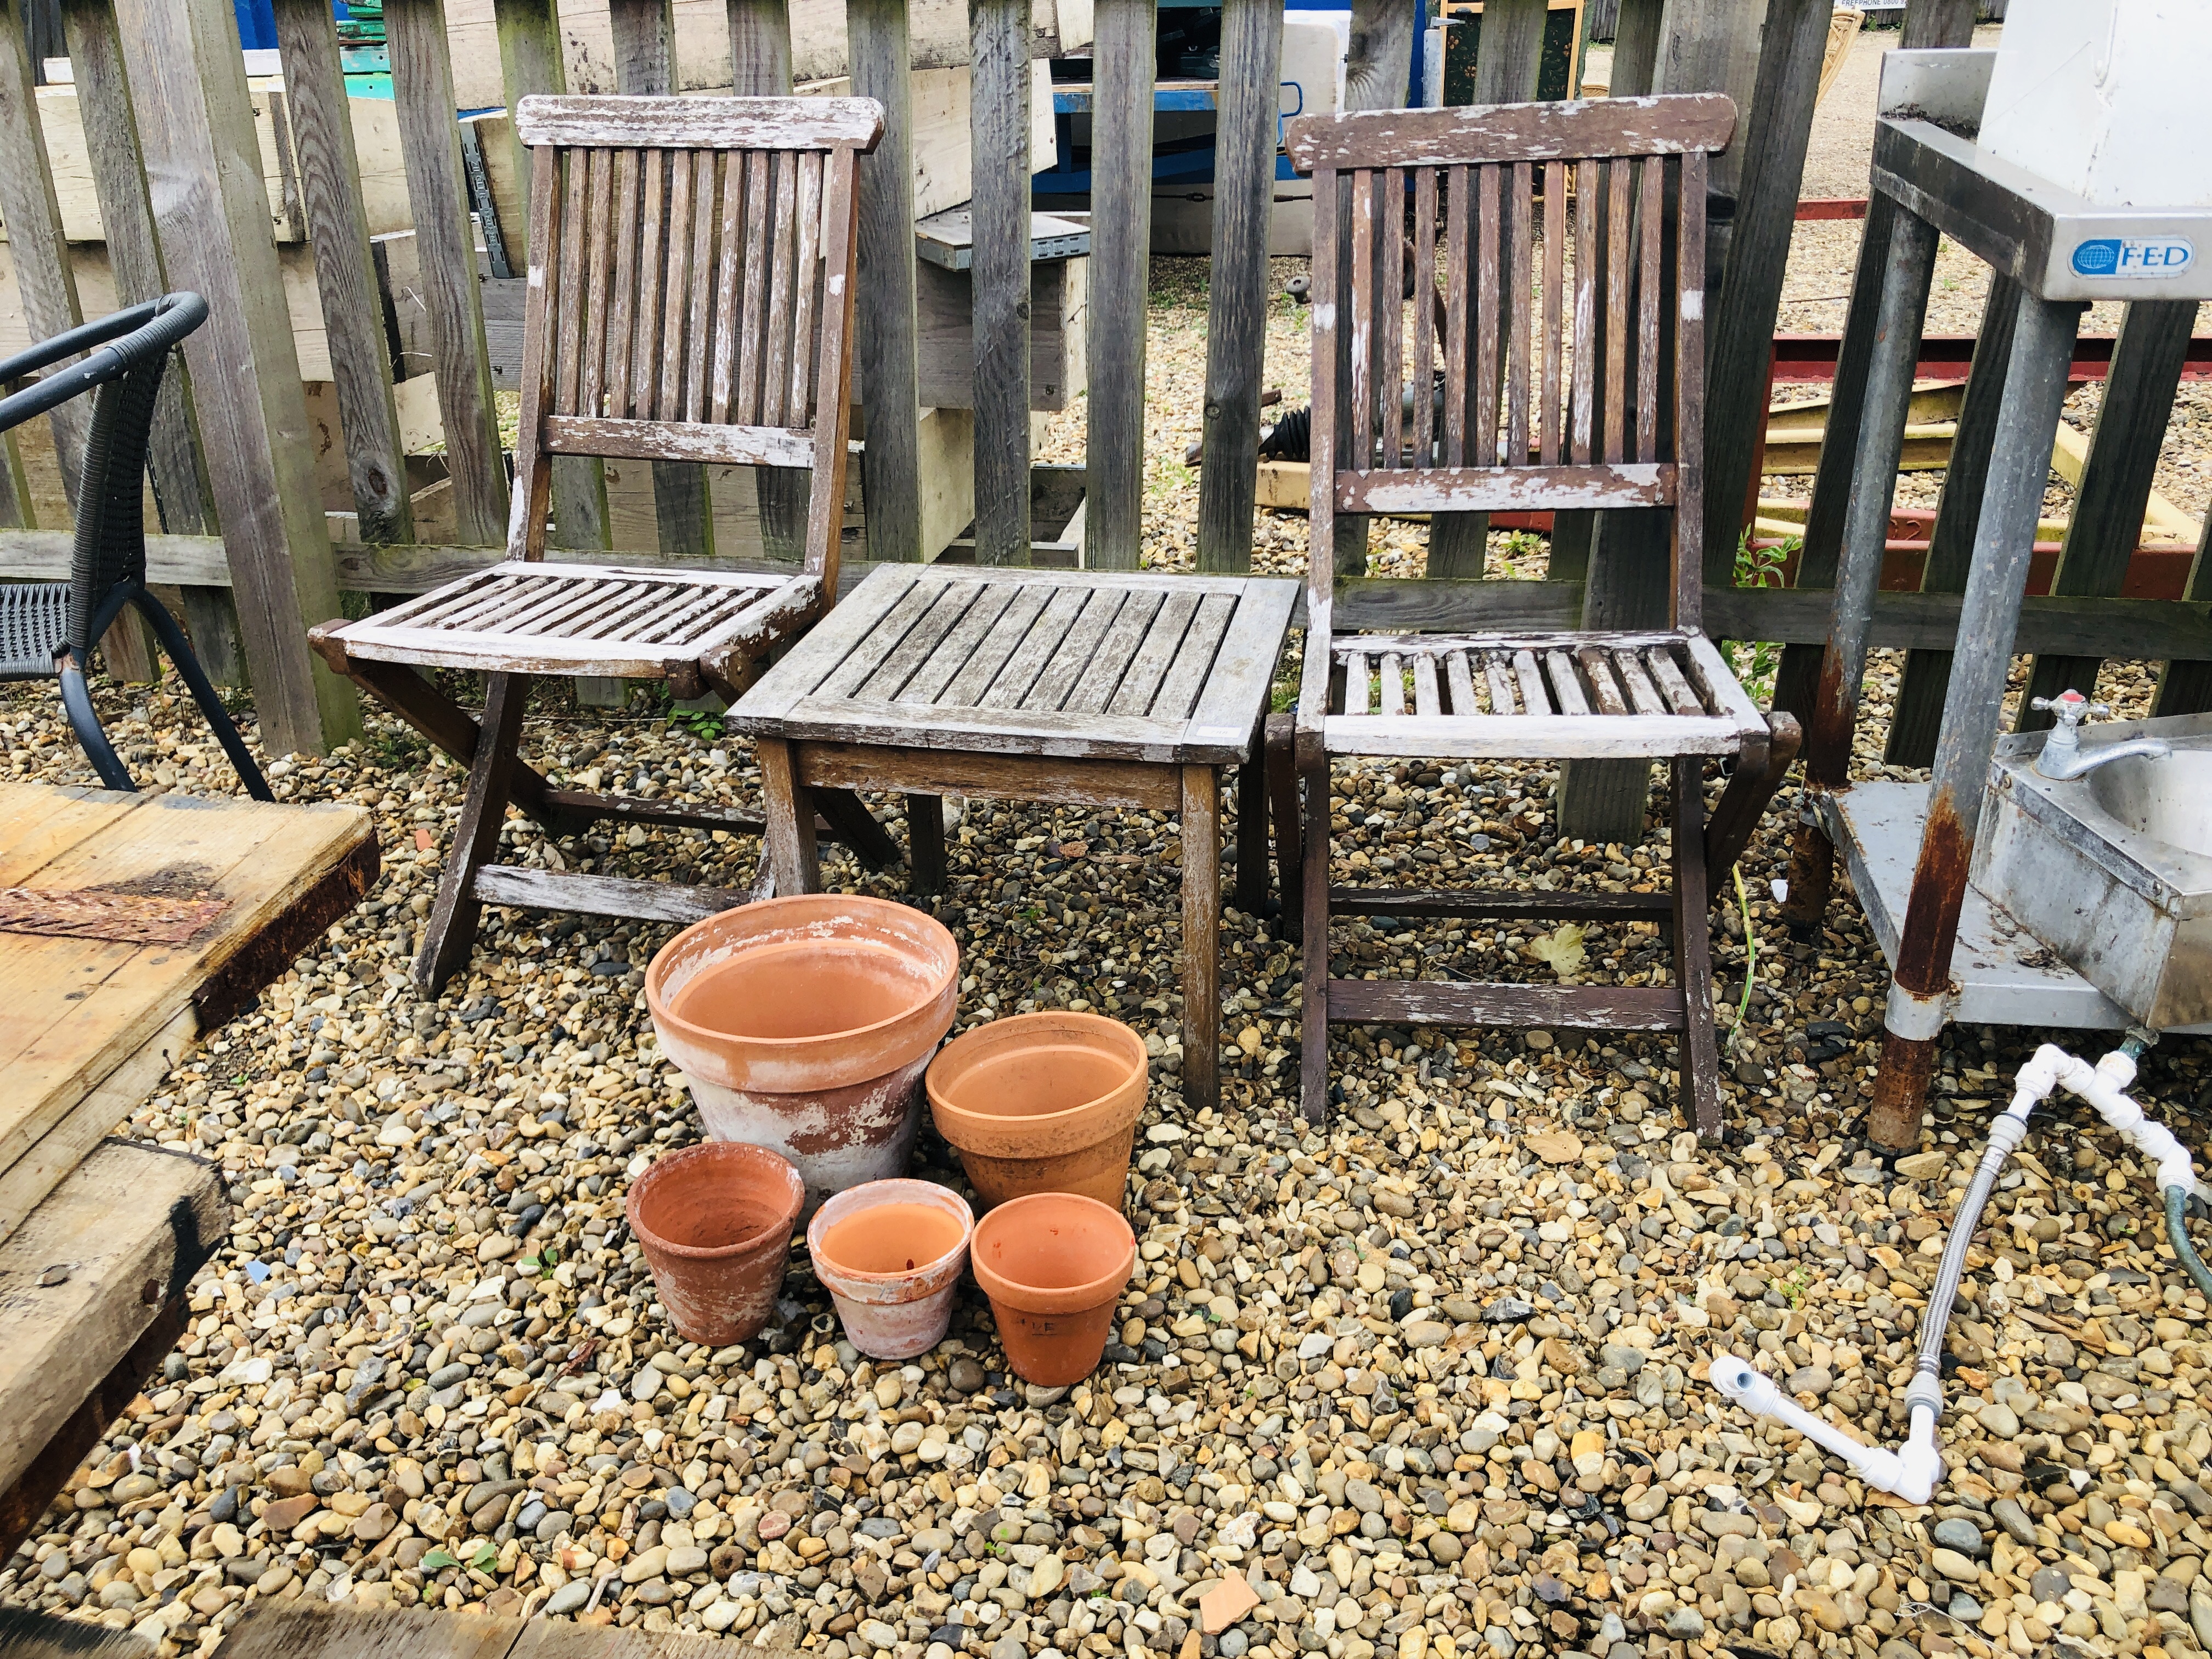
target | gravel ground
[{"x": 1429, "y": 1381}]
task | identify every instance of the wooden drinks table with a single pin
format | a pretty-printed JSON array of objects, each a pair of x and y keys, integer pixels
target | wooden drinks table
[
  {"x": 129, "y": 926},
  {"x": 1107, "y": 689}
]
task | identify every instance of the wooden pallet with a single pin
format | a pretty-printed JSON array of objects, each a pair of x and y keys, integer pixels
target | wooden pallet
[{"x": 129, "y": 926}]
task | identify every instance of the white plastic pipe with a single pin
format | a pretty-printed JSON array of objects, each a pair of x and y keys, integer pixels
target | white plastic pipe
[{"x": 1910, "y": 1474}]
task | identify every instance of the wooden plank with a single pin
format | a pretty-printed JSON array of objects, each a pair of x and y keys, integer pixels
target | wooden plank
[
  {"x": 430, "y": 146},
  {"x": 1101, "y": 671},
  {"x": 307, "y": 1630},
  {"x": 760, "y": 48},
  {"x": 1010, "y": 686},
  {"x": 211, "y": 215},
  {"x": 1533, "y": 736},
  {"x": 1389, "y": 316},
  {"x": 1124, "y": 56},
  {"x": 530, "y": 65},
  {"x": 1238, "y": 287},
  {"x": 1776, "y": 135},
  {"x": 876, "y": 34},
  {"x": 1457, "y": 280},
  {"x": 1201, "y": 921},
  {"x": 1240, "y": 681},
  {"x": 1360, "y": 439},
  {"x": 1521, "y": 132},
  {"x": 1506, "y": 488},
  {"x": 999, "y": 141},
  {"x": 134, "y": 256},
  {"x": 1019, "y": 777},
  {"x": 129, "y": 1218},
  {"x": 671, "y": 122},
  {"x": 1554, "y": 336},
  {"x": 783, "y": 251},
  {"x": 1519, "y": 278},
  {"x": 345, "y": 271},
  {"x": 44, "y": 275},
  {"x": 1550, "y": 1007},
  {"x": 2116, "y": 482},
  {"x": 735, "y": 445},
  {"x": 1426, "y": 323},
  {"x": 604, "y": 896}
]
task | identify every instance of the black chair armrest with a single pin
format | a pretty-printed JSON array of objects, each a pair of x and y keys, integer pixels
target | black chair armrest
[{"x": 127, "y": 338}]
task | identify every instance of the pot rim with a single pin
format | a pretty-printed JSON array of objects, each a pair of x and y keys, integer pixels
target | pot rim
[
  {"x": 1007, "y": 1032},
  {"x": 656, "y": 973},
  {"x": 1050, "y": 1299},
  {"x": 760, "y": 1160},
  {"x": 896, "y": 1189}
]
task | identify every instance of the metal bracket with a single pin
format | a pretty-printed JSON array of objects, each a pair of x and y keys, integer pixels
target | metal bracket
[{"x": 1914, "y": 1018}]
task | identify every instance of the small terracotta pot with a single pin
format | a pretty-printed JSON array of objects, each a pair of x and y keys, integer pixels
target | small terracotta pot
[
  {"x": 1042, "y": 1103},
  {"x": 889, "y": 1254},
  {"x": 1054, "y": 1265},
  {"x": 805, "y": 1024},
  {"x": 714, "y": 1221}
]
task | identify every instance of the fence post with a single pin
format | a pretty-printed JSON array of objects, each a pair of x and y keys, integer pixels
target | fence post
[
  {"x": 1250, "y": 102},
  {"x": 445, "y": 246},
  {"x": 1123, "y": 51},
  {"x": 345, "y": 271},
  {"x": 998, "y": 126},
  {"x": 43, "y": 273},
  {"x": 878, "y": 50},
  {"x": 211, "y": 214}
]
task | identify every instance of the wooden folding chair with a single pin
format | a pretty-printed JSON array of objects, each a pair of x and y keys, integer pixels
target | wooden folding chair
[
  {"x": 1535, "y": 413},
  {"x": 690, "y": 299}
]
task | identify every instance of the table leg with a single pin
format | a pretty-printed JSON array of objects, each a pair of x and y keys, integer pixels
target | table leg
[
  {"x": 1252, "y": 829},
  {"x": 1284, "y": 807},
  {"x": 925, "y": 835},
  {"x": 451, "y": 930},
  {"x": 790, "y": 849},
  {"x": 1201, "y": 937}
]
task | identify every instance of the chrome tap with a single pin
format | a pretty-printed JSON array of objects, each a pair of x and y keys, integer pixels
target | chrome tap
[{"x": 2062, "y": 756}]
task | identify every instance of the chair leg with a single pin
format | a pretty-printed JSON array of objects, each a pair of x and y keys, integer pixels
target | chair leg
[
  {"x": 1283, "y": 808},
  {"x": 792, "y": 852},
  {"x": 1313, "y": 1010},
  {"x": 449, "y": 727},
  {"x": 91, "y": 735},
  {"x": 1693, "y": 950},
  {"x": 203, "y": 693},
  {"x": 925, "y": 837},
  {"x": 1252, "y": 882},
  {"x": 1743, "y": 802},
  {"x": 1202, "y": 937},
  {"x": 451, "y": 929}
]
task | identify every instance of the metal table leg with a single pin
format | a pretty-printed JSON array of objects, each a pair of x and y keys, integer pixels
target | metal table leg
[
  {"x": 1905, "y": 281},
  {"x": 2004, "y": 540}
]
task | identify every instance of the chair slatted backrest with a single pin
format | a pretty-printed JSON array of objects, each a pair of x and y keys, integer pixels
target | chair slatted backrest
[
  {"x": 1548, "y": 325},
  {"x": 690, "y": 290}
]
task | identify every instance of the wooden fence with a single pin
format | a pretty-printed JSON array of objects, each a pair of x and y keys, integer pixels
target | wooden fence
[{"x": 187, "y": 197}]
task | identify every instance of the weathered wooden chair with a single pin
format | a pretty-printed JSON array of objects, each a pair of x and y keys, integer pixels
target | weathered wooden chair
[
  {"x": 690, "y": 299},
  {"x": 1556, "y": 422}
]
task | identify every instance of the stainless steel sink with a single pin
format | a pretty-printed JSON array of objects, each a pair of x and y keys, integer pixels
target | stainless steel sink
[{"x": 2112, "y": 871}]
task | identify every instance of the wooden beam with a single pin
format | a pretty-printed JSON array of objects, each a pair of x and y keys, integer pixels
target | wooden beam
[
  {"x": 444, "y": 242},
  {"x": 999, "y": 111},
  {"x": 345, "y": 271},
  {"x": 195, "y": 126},
  {"x": 2115, "y": 484},
  {"x": 2184, "y": 685},
  {"x": 1124, "y": 56},
  {"x": 1237, "y": 291},
  {"x": 33, "y": 216},
  {"x": 760, "y": 67},
  {"x": 875, "y": 33}
]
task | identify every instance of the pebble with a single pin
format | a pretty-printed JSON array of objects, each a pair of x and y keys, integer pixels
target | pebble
[{"x": 1429, "y": 1372}]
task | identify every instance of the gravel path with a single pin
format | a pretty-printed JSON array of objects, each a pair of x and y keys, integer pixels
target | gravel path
[{"x": 1428, "y": 1381}]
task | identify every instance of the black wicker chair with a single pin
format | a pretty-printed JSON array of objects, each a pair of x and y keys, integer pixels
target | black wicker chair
[{"x": 48, "y": 629}]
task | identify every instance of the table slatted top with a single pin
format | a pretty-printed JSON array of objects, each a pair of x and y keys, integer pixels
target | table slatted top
[{"x": 1082, "y": 664}]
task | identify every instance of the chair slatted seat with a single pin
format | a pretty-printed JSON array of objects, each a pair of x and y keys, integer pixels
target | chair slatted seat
[
  {"x": 1556, "y": 365},
  {"x": 690, "y": 299}
]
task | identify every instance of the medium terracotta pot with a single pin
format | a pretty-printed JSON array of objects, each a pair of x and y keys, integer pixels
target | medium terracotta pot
[
  {"x": 805, "y": 1024},
  {"x": 714, "y": 1221},
  {"x": 889, "y": 1254},
  {"x": 1054, "y": 1265},
  {"x": 1042, "y": 1103}
]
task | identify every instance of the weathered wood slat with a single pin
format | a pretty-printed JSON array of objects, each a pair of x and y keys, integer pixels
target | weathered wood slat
[
  {"x": 737, "y": 445},
  {"x": 1000, "y": 144},
  {"x": 1506, "y": 488},
  {"x": 1125, "y": 51},
  {"x": 875, "y": 33},
  {"x": 1516, "y": 132},
  {"x": 692, "y": 123}
]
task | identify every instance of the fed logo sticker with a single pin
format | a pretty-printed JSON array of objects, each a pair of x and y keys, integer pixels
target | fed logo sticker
[{"x": 2134, "y": 256}]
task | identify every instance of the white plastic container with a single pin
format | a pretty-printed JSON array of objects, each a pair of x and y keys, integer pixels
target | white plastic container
[{"x": 2105, "y": 99}]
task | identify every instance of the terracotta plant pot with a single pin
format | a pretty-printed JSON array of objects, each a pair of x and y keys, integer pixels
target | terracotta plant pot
[
  {"x": 1042, "y": 1103},
  {"x": 889, "y": 1254},
  {"x": 804, "y": 1023},
  {"x": 1054, "y": 1265},
  {"x": 714, "y": 1221}
]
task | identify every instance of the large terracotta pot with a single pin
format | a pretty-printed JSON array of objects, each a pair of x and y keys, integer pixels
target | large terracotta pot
[
  {"x": 714, "y": 1221},
  {"x": 1054, "y": 1265},
  {"x": 1042, "y": 1103},
  {"x": 805, "y": 1024},
  {"x": 889, "y": 1254}
]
